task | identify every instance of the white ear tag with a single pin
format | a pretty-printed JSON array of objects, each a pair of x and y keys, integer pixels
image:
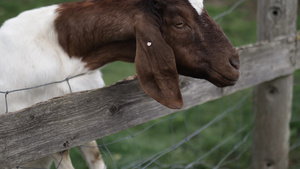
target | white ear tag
[{"x": 149, "y": 44}]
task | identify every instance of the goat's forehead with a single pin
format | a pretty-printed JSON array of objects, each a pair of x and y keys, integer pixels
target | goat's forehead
[{"x": 198, "y": 5}]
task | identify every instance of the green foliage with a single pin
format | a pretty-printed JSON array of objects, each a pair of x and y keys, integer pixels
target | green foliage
[
  {"x": 9, "y": 9},
  {"x": 239, "y": 26}
]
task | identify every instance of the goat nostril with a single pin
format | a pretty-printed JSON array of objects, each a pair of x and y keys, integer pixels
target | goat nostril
[{"x": 235, "y": 63}]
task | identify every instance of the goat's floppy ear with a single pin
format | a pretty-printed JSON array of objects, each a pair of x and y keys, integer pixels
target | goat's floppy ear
[{"x": 156, "y": 66}]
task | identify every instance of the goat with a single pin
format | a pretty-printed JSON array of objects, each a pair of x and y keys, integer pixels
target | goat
[{"x": 163, "y": 38}]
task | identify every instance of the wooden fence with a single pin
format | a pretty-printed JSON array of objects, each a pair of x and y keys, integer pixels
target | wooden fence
[{"x": 77, "y": 118}]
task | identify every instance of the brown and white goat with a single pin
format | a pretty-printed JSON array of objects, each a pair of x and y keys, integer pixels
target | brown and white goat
[{"x": 163, "y": 38}]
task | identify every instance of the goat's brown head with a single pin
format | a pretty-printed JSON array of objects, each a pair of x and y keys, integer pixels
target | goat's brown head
[
  {"x": 179, "y": 36},
  {"x": 162, "y": 37}
]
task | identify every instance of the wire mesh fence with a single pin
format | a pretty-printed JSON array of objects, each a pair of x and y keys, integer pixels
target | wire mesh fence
[
  {"x": 215, "y": 135},
  {"x": 185, "y": 147},
  {"x": 6, "y": 94}
]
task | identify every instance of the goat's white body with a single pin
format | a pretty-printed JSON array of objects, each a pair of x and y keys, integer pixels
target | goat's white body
[{"x": 30, "y": 55}]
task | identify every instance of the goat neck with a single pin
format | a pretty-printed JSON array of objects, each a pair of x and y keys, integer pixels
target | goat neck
[{"x": 93, "y": 30}]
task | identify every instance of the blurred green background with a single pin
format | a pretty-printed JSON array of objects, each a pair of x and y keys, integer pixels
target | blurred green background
[{"x": 214, "y": 145}]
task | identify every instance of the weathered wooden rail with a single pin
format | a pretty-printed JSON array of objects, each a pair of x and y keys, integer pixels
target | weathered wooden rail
[
  {"x": 77, "y": 118},
  {"x": 70, "y": 121}
]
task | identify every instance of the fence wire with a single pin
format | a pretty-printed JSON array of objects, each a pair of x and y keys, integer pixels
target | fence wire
[
  {"x": 153, "y": 159},
  {"x": 200, "y": 159},
  {"x": 6, "y": 93},
  {"x": 219, "y": 17}
]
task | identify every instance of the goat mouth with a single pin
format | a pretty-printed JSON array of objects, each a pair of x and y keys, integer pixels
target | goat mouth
[{"x": 220, "y": 80}]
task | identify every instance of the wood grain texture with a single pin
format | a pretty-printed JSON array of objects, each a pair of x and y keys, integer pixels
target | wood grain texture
[
  {"x": 72, "y": 120},
  {"x": 273, "y": 99},
  {"x": 276, "y": 18}
]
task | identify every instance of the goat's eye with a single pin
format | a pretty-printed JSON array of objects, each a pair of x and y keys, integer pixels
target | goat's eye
[{"x": 180, "y": 24}]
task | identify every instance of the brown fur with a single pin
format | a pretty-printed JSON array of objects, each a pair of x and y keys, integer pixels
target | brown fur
[{"x": 102, "y": 31}]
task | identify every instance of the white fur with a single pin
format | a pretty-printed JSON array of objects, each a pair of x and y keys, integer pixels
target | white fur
[
  {"x": 30, "y": 55},
  {"x": 198, "y": 5}
]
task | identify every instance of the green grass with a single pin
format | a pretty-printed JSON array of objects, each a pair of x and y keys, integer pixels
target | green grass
[{"x": 240, "y": 26}]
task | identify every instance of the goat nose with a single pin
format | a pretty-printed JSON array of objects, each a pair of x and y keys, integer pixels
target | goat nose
[{"x": 235, "y": 63}]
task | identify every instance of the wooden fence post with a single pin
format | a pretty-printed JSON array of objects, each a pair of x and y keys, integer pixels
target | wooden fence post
[{"x": 273, "y": 99}]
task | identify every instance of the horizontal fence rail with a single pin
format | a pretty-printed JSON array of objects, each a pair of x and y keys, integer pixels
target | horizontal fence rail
[{"x": 69, "y": 121}]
